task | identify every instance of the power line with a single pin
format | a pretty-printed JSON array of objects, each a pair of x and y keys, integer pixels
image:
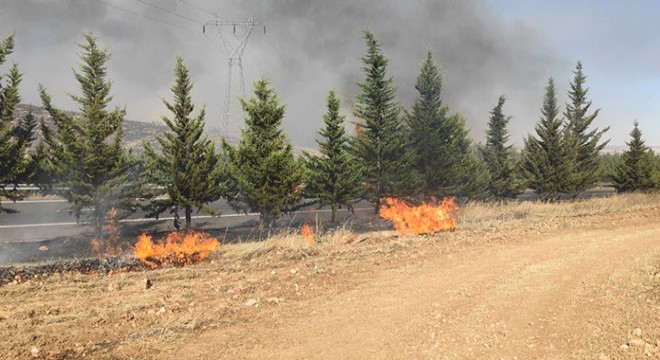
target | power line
[
  {"x": 198, "y": 8},
  {"x": 170, "y": 12},
  {"x": 146, "y": 17}
]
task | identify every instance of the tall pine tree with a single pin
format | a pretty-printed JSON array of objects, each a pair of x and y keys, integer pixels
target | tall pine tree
[
  {"x": 85, "y": 154},
  {"x": 499, "y": 156},
  {"x": 381, "y": 144},
  {"x": 333, "y": 178},
  {"x": 263, "y": 175},
  {"x": 545, "y": 157},
  {"x": 186, "y": 164},
  {"x": 16, "y": 164},
  {"x": 581, "y": 142},
  {"x": 443, "y": 156},
  {"x": 635, "y": 171}
]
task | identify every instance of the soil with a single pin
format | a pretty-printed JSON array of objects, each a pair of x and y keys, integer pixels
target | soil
[{"x": 575, "y": 286}]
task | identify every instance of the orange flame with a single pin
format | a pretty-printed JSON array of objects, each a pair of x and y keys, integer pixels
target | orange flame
[
  {"x": 308, "y": 233},
  {"x": 176, "y": 248},
  {"x": 111, "y": 237},
  {"x": 427, "y": 218}
]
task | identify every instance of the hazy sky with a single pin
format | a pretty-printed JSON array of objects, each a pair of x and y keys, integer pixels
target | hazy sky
[{"x": 486, "y": 48}]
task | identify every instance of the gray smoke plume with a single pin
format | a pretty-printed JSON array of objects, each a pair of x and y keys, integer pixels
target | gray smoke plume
[{"x": 308, "y": 48}]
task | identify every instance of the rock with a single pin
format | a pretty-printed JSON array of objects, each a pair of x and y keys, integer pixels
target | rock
[
  {"x": 162, "y": 310},
  {"x": 275, "y": 300},
  {"x": 603, "y": 357},
  {"x": 147, "y": 284},
  {"x": 252, "y": 302},
  {"x": 623, "y": 347},
  {"x": 35, "y": 351},
  {"x": 637, "y": 342},
  {"x": 637, "y": 332},
  {"x": 649, "y": 350},
  {"x": 43, "y": 248},
  {"x": 293, "y": 271}
]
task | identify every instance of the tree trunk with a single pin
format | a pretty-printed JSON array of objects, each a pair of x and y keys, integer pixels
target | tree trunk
[
  {"x": 188, "y": 217},
  {"x": 334, "y": 213}
]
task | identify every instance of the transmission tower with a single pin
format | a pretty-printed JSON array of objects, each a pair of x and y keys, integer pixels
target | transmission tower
[{"x": 234, "y": 35}]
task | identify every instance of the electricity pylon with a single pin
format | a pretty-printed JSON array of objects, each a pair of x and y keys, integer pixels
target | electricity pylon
[{"x": 234, "y": 50}]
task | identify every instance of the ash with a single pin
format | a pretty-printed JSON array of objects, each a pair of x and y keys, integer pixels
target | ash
[{"x": 17, "y": 274}]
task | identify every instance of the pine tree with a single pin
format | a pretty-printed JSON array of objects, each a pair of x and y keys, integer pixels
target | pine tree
[
  {"x": 381, "y": 144},
  {"x": 186, "y": 164},
  {"x": 498, "y": 156},
  {"x": 263, "y": 175},
  {"x": 85, "y": 155},
  {"x": 544, "y": 157},
  {"x": 333, "y": 177},
  {"x": 443, "y": 157},
  {"x": 16, "y": 164},
  {"x": 635, "y": 172},
  {"x": 581, "y": 143}
]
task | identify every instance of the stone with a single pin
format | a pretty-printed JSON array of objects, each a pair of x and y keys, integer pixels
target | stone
[
  {"x": 624, "y": 347},
  {"x": 35, "y": 351},
  {"x": 43, "y": 248},
  {"x": 637, "y": 332},
  {"x": 252, "y": 302},
  {"x": 637, "y": 342}
]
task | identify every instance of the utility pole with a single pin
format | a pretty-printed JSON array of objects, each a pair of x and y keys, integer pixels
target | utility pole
[{"x": 240, "y": 31}]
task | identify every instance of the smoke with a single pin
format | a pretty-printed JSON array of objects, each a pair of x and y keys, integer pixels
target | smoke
[{"x": 308, "y": 48}]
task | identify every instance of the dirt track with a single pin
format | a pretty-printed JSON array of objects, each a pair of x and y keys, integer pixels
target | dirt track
[{"x": 549, "y": 296}]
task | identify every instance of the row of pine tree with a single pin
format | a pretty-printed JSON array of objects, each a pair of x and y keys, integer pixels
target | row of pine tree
[{"x": 419, "y": 154}]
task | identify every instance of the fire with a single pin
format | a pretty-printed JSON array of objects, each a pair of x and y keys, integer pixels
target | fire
[
  {"x": 109, "y": 243},
  {"x": 308, "y": 233},
  {"x": 176, "y": 248},
  {"x": 427, "y": 218}
]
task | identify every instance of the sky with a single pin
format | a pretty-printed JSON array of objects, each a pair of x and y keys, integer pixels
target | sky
[{"x": 486, "y": 48}]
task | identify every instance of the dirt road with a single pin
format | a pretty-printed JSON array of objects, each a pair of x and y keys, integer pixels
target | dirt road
[{"x": 557, "y": 295}]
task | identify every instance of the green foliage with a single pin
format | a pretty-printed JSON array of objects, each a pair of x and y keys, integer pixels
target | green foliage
[
  {"x": 16, "y": 164},
  {"x": 262, "y": 173},
  {"x": 499, "y": 156},
  {"x": 333, "y": 178},
  {"x": 381, "y": 143},
  {"x": 545, "y": 157},
  {"x": 582, "y": 143},
  {"x": 84, "y": 153},
  {"x": 636, "y": 170},
  {"x": 186, "y": 164},
  {"x": 442, "y": 148}
]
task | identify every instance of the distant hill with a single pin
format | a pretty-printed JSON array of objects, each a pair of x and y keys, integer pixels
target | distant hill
[{"x": 135, "y": 132}]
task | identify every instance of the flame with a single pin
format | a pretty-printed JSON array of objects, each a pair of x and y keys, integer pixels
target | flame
[
  {"x": 308, "y": 233},
  {"x": 109, "y": 244},
  {"x": 427, "y": 218},
  {"x": 176, "y": 248}
]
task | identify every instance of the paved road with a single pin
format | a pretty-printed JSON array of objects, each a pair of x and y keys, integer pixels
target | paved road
[{"x": 48, "y": 219}]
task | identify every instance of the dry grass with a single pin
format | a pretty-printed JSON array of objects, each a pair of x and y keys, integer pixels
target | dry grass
[
  {"x": 479, "y": 214},
  {"x": 114, "y": 316}
]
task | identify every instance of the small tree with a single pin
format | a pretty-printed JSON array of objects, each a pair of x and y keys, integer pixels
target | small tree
[
  {"x": 16, "y": 164},
  {"x": 545, "y": 157},
  {"x": 499, "y": 156},
  {"x": 86, "y": 158},
  {"x": 581, "y": 142},
  {"x": 635, "y": 172},
  {"x": 186, "y": 164},
  {"x": 262, "y": 173},
  {"x": 442, "y": 148},
  {"x": 334, "y": 177},
  {"x": 381, "y": 145}
]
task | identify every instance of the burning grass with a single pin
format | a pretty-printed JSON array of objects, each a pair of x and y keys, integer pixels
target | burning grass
[
  {"x": 427, "y": 218},
  {"x": 176, "y": 248}
]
